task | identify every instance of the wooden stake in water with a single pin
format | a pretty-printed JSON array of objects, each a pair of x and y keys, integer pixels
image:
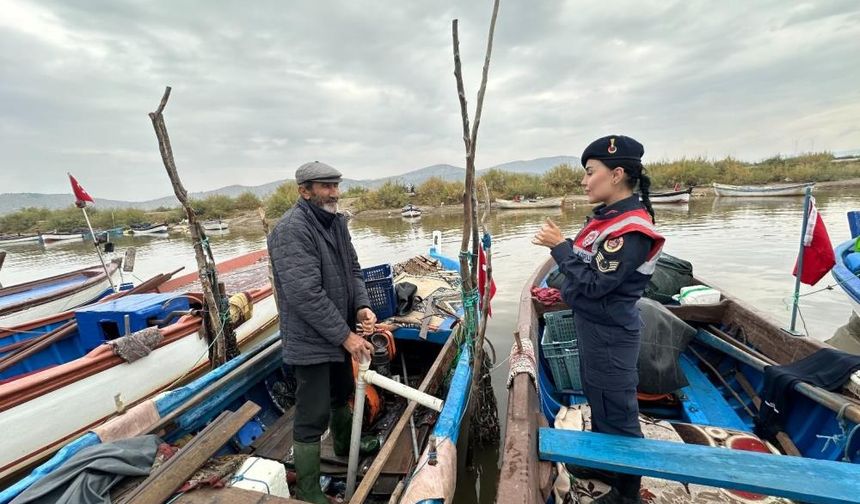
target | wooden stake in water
[{"x": 794, "y": 306}]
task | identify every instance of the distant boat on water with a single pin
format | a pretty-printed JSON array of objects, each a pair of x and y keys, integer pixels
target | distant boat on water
[
  {"x": 152, "y": 229},
  {"x": 60, "y": 237},
  {"x": 215, "y": 225},
  {"x": 671, "y": 196},
  {"x": 761, "y": 191},
  {"x": 19, "y": 239},
  {"x": 410, "y": 211},
  {"x": 528, "y": 203}
]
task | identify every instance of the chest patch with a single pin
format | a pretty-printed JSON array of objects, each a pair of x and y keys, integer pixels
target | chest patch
[
  {"x": 613, "y": 245},
  {"x": 590, "y": 237}
]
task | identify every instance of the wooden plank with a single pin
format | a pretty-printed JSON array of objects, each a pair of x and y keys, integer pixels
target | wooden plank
[
  {"x": 520, "y": 477},
  {"x": 429, "y": 385},
  {"x": 229, "y": 495},
  {"x": 164, "y": 481},
  {"x": 704, "y": 404},
  {"x": 777, "y": 475},
  {"x": 276, "y": 442}
]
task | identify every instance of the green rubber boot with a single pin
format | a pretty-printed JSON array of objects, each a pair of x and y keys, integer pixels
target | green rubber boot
[
  {"x": 306, "y": 458},
  {"x": 341, "y": 429}
]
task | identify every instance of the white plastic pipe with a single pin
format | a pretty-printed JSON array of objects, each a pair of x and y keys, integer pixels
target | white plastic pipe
[
  {"x": 355, "y": 435},
  {"x": 402, "y": 390}
]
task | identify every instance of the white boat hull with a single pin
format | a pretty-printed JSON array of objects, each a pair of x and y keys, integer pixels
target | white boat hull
[
  {"x": 19, "y": 241},
  {"x": 215, "y": 226},
  {"x": 673, "y": 199},
  {"x": 519, "y": 205},
  {"x": 157, "y": 230},
  {"x": 62, "y": 304},
  {"x": 760, "y": 191},
  {"x": 50, "y": 237},
  {"x": 411, "y": 213},
  {"x": 40, "y": 426}
]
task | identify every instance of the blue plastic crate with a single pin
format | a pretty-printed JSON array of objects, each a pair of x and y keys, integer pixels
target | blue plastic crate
[
  {"x": 561, "y": 352},
  {"x": 379, "y": 283}
]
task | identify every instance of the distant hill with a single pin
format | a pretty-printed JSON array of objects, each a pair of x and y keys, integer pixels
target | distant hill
[{"x": 10, "y": 202}]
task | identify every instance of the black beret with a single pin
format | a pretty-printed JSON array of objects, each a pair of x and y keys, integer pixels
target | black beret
[{"x": 613, "y": 147}]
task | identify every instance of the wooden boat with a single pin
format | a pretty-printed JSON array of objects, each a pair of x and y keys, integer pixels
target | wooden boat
[
  {"x": 761, "y": 191},
  {"x": 671, "y": 196},
  {"x": 846, "y": 272},
  {"x": 59, "y": 338},
  {"x": 539, "y": 202},
  {"x": 61, "y": 237},
  {"x": 104, "y": 234},
  {"x": 724, "y": 367},
  {"x": 19, "y": 239},
  {"x": 85, "y": 392},
  {"x": 410, "y": 211},
  {"x": 259, "y": 375},
  {"x": 215, "y": 225},
  {"x": 32, "y": 300},
  {"x": 149, "y": 229}
]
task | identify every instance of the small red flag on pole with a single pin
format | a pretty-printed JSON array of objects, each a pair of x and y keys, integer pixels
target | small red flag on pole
[
  {"x": 817, "y": 251},
  {"x": 81, "y": 195},
  {"x": 81, "y": 199}
]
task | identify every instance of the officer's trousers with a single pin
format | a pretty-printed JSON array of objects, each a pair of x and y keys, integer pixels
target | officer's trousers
[
  {"x": 319, "y": 389},
  {"x": 608, "y": 358}
]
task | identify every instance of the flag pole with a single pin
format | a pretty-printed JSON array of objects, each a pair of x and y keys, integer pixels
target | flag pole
[
  {"x": 96, "y": 243},
  {"x": 796, "y": 298}
]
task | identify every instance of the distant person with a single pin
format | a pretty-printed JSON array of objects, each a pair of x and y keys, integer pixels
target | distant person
[
  {"x": 606, "y": 268},
  {"x": 321, "y": 298}
]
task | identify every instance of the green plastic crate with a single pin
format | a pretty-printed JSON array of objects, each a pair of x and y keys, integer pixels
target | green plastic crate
[
  {"x": 561, "y": 352},
  {"x": 560, "y": 325}
]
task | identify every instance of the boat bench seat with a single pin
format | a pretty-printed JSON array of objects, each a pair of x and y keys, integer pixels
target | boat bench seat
[{"x": 801, "y": 479}]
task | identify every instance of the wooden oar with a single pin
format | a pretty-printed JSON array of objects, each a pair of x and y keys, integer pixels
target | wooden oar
[{"x": 834, "y": 402}]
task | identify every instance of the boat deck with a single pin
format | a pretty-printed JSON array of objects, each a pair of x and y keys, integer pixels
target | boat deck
[{"x": 41, "y": 290}]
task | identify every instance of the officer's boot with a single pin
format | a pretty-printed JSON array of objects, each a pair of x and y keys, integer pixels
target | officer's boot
[
  {"x": 341, "y": 429},
  {"x": 586, "y": 473},
  {"x": 306, "y": 458},
  {"x": 625, "y": 491}
]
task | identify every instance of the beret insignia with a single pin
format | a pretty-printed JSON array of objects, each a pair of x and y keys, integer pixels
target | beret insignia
[{"x": 612, "y": 148}]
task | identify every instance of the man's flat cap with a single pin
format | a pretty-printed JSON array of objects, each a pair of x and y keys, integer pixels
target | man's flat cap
[{"x": 317, "y": 172}]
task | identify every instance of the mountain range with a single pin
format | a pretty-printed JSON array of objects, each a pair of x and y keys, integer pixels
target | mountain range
[{"x": 10, "y": 202}]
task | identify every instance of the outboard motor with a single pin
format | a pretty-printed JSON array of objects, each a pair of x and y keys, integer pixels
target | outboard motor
[{"x": 383, "y": 352}]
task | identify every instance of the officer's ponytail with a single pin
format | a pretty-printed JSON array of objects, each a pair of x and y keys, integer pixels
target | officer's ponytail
[
  {"x": 645, "y": 192},
  {"x": 635, "y": 177}
]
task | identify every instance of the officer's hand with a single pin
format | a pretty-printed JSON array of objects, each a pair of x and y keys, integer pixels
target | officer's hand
[
  {"x": 549, "y": 235},
  {"x": 367, "y": 320},
  {"x": 358, "y": 347}
]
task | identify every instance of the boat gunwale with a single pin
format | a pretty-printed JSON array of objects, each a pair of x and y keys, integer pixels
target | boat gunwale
[{"x": 95, "y": 275}]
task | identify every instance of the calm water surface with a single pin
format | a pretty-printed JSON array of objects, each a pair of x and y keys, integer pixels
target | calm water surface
[{"x": 747, "y": 247}]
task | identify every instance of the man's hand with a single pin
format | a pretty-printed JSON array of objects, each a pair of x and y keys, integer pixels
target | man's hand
[
  {"x": 359, "y": 347},
  {"x": 366, "y": 320},
  {"x": 549, "y": 235}
]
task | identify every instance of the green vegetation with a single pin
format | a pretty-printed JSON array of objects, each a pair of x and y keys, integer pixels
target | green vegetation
[
  {"x": 698, "y": 171},
  {"x": 561, "y": 180}
]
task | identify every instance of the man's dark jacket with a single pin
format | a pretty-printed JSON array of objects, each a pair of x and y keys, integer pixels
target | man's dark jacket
[{"x": 318, "y": 284}]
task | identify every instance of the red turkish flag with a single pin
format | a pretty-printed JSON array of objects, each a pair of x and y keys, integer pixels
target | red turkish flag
[
  {"x": 482, "y": 279},
  {"x": 81, "y": 196},
  {"x": 818, "y": 256}
]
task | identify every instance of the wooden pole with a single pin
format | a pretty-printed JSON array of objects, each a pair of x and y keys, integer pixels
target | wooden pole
[
  {"x": 470, "y": 173},
  {"x": 219, "y": 353}
]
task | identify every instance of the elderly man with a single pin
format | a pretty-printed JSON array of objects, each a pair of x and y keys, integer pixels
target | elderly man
[{"x": 321, "y": 295}]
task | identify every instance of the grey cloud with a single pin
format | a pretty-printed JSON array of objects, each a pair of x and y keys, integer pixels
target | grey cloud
[{"x": 261, "y": 87}]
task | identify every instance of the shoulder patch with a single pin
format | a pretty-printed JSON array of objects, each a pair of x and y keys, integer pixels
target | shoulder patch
[
  {"x": 590, "y": 237},
  {"x": 605, "y": 266},
  {"x": 613, "y": 245}
]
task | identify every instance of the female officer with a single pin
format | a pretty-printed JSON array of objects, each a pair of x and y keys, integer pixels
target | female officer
[{"x": 606, "y": 269}]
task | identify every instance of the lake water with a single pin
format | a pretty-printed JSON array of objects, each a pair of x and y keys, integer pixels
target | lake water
[{"x": 747, "y": 247}]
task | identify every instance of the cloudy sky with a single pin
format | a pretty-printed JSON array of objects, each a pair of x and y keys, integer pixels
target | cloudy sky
[{"x": 260, "y": 87}]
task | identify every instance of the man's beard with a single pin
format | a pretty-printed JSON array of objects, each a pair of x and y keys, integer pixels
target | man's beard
[{"x": 327, "y": 204}]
